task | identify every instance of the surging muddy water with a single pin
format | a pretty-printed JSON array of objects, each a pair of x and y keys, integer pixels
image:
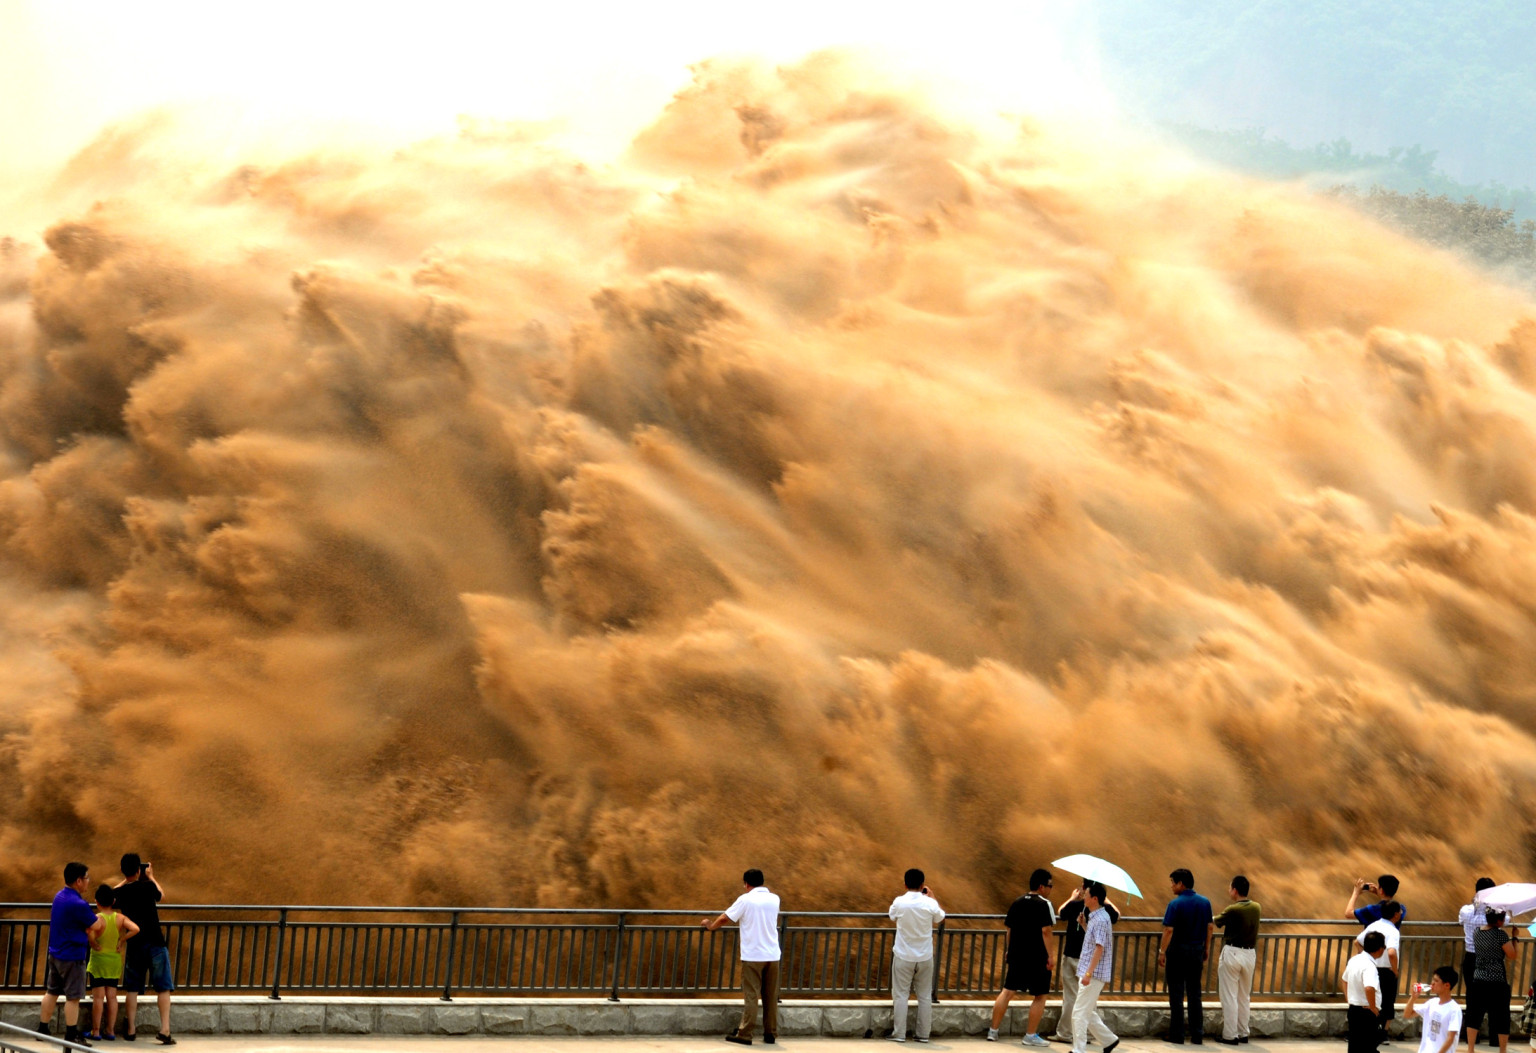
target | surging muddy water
[{"x": 828, "y": 487}]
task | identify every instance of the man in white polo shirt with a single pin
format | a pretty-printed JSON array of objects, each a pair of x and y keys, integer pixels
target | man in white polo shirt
[
  {"x": 1362, "y": 988},
  {"x": 915, "y": 912},
  {"x": 756, "y": 912},
  {"x": 1386, "y": 961}
]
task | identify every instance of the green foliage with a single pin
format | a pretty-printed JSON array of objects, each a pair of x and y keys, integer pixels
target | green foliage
[
  {"x": 1407, "y": 170},
  {"x": 1489, "y": 236}
]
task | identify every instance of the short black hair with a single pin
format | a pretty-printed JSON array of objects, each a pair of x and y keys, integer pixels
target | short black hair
[
  {"x": 1482, "y": 883},
  {"x": 1390, "y": 909},
  {"x": 106, "y": 895},
  {"x": 131, "y": 864},
  {"x": 1241, "y": 884},
  {"x": 913, "y": 878},
  {"x": 1448, "y": 974},
  {"x": 1183, "y": 877},
  {"x": 74, "y": 872},
  {"x": 1373, "y": 942},
  {"x": 1493, "y": 914},
  {"x": 753, "y": 877},
  {"x": 1388, "y": 885},
  {"x": 1097, "y": 891},
  {"x": 1040, "y": 878}
]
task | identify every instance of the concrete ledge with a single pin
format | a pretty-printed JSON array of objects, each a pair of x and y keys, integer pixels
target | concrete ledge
[{"x": 298, "y": 1015}]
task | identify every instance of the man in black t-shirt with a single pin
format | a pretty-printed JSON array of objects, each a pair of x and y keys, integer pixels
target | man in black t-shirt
[
  {"x": 1031, "y": 956},
  {"x": 1071, "y": 916},
  {"x": 148, "y": 961}
]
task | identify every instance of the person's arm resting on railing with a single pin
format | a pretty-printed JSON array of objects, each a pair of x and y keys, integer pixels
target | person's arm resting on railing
[{"x": 714, "y": 923}]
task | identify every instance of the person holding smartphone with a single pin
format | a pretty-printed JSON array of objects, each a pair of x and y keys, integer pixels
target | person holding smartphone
[{"x": 148, "y": 961}]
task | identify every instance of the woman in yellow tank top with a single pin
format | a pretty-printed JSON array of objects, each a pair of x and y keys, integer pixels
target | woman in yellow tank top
[{"x": 105, "y": 968}]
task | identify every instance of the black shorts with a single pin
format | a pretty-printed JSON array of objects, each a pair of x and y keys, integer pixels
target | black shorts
[
  {"x": 1033, "y": 976},
  {"x": 93, "y": 981}
]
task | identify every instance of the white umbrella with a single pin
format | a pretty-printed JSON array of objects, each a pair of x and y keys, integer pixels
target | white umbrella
[
  {"x": 1101, "y": 870},
  {"x": 1513, "y": 898}
]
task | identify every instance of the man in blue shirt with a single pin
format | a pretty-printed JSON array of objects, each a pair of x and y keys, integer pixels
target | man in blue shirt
[
  {"x": 71, "y": 925},
  {"x": 1187, "y": 929},
  {"x": 1385, "y": 888}
]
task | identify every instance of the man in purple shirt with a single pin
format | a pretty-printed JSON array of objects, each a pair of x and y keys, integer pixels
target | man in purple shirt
[{"x": 71, "y": 925}]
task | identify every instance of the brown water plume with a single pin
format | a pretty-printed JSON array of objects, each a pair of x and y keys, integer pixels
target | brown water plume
[{"x": 830, "y": 487}]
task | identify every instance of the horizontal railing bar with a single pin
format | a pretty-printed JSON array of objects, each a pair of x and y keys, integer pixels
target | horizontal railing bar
[{"x": 654, "y": 912}]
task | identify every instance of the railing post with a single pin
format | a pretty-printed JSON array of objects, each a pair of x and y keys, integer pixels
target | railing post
[
  {"x": 618, "y": 959},
  {"x": 783, "y": 952},
  {"x": 277, "y": 960},
  {"x": 453, "y": 944},
  {"x": 938, "y": 959}
]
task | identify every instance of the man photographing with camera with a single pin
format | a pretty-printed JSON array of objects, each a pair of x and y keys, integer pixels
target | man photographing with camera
[
  {"x": 1384, "y": 888},
  {"x": 148, "y": 962}
]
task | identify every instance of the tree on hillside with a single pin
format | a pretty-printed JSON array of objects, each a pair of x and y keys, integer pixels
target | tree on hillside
[{"x": 1488, "y": 236}]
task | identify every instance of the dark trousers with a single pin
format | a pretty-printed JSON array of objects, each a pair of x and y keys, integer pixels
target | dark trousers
[
  {"x": 1487, "y": 999},
  {"x": 1362, "y": 1029},
  {"x": 1186, "y": 970},
  {"x": 1388, "y": 1001}
]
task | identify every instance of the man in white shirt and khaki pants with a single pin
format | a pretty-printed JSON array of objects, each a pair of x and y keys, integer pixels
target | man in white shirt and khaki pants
[
  {"x": 756, "y": 911},
  {"x": 915, "y": 912}
]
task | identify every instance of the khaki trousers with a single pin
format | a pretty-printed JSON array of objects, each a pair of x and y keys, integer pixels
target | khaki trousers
[
  {"x": 1070, "y": 985},
  {"x": 904, "y": 976},
  {"x": 1234, "y": 977},
  {"x": 759, "y": 979},
  {"x": 1086, "y": 1019}
]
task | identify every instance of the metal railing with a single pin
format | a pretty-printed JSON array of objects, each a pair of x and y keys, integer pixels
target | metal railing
[
  {"x": 535, "y": 951},
  {"x": 10, "y": 1032}
]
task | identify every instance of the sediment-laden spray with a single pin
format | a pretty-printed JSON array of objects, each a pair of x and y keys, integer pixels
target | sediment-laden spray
[{"x": 828, "y": 487}]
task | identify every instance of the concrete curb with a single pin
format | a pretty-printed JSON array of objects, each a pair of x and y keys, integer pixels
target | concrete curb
[{"x": 301, "y": 1015}]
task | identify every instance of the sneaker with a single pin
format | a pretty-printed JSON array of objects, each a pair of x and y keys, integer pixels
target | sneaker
[
  {"x": 895, "y": 1038},
  {"x": 738, "y": 1040},
  {"x": 44, "y": 1027},
  {"x": 924, "y": 1041},
  {"x": 1243, "y": 1039},
  {"x": 1230, "y": 1041},
  {"x": 109, "y": 1037},
  {"x": 1111, "y": 1047},
  {"x": 991, "y": 1034},
  {"x": 164, "y": 1039},
  {"x": 1033, "y": 1040},
  {"x": 769, "y": 1040}
]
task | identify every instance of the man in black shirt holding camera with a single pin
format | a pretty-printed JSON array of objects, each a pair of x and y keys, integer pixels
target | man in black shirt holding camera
[{"x": 148, "y": 961}]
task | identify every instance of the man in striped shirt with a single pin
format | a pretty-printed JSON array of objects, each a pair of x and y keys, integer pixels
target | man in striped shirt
[{"x": 1093, "y": 972}]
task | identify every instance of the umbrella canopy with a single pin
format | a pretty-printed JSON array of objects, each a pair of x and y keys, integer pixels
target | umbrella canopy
[
  {"x": 1513, "y": 898},
  {"x": 1102, "y": 870}
]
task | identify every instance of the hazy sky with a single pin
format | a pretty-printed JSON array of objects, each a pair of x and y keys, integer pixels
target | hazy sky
[{"x": 73, "y": 65}]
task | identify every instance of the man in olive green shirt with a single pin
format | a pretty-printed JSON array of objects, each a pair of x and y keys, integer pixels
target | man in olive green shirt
[{"x": 1234, "y": 973}]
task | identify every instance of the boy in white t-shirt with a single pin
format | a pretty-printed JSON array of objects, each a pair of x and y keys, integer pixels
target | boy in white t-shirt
[{"x": 1441, "y": 1014}]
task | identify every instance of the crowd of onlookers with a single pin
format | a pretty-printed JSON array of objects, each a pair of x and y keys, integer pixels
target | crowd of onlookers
[
  {"x": 118, "y": 945},
  {"x": 1189, "y": 925}
]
